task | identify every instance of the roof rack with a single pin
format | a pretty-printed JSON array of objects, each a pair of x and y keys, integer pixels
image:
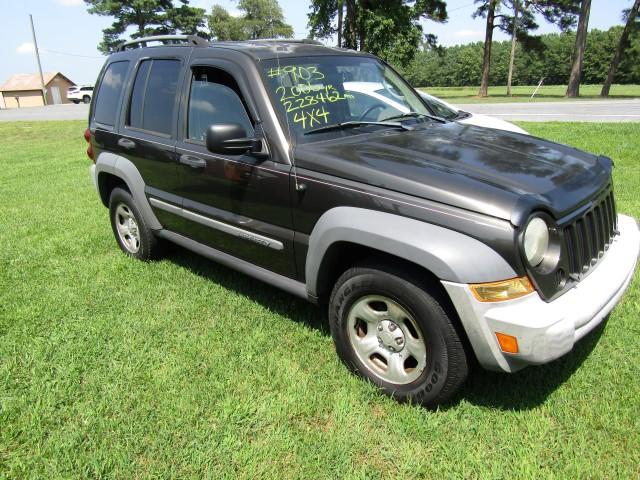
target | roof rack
[
  {"x": 164, "y": 40},
  {"x": 306, "y": 41}
]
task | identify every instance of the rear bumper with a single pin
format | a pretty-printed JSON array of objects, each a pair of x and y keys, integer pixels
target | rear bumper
[
  {"x": 546, "y": 331},
  {"x": 94, "y": 178}
]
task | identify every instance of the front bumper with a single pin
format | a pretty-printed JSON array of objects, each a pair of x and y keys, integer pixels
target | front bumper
[{"x": 546, "y": 331}]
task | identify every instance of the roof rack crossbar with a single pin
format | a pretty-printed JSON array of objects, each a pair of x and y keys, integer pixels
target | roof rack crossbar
[{"x": 163, "y": 39}]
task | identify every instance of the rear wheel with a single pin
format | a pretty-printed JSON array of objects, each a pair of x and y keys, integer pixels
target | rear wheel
[
  {"x": 75, "y": 101},
  {"x": 131, "y": 232},
  {"x": 388, "y": 328},
  {"x": 86, "y": 99}
]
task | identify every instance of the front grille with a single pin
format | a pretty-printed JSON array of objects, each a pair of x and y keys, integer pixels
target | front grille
[{"x": 588, "y": 236}]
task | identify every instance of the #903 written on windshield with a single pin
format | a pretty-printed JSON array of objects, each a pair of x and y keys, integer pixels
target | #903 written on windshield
[{"x": 309, "y": 96}]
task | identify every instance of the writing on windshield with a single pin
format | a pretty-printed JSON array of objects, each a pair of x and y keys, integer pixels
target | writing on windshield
[{"x": 305, "y": 95}]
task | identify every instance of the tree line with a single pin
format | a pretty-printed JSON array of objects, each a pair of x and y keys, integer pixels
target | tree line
[
  {"x": 395, "y": 31},
  {"x": 462, "y": 65}
]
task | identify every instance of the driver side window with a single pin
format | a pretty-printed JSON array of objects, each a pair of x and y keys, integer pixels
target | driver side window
[{"x": 215, "y": 98}]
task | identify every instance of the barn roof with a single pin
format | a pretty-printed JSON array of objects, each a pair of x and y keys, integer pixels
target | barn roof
[{"x": 28, "y": 81}]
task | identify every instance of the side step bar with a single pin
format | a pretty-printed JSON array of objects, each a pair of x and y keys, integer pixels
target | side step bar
[{"x": 279, "y": 281}]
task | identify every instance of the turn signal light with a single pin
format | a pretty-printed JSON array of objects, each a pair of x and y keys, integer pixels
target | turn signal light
[
  {"x": 508, "y": 343},
  {"x": 503, "y": 290}
]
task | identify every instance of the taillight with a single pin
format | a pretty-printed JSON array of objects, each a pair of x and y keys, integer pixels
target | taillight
[{"x": 87, "y": 137}]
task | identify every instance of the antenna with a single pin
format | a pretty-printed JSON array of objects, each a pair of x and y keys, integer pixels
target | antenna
[{"x": 35, "y": 44}]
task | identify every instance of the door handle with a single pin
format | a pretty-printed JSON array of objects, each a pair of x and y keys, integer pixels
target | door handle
[
  {"x": 126, "y": 143},
  {"x": 193, "y": 162}
]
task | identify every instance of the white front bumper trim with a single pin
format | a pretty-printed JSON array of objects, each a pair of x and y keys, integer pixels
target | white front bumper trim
[{"x": 546, "y": 331}]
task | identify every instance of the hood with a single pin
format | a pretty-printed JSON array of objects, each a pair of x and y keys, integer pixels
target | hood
[{"x": 494, "y": 172}]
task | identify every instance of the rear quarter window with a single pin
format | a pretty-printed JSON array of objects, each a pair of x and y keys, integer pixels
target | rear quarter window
[
  {"x": 152, "y": 104},
  {"x": 110, "y": 93}
]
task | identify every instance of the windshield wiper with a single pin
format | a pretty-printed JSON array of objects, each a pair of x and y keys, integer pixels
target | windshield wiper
[
  {"x": 416, "y": 115},
  {"x": 358, "y": 123}
]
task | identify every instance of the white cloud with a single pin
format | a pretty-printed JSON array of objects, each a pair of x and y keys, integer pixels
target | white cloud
[
  {"x": 70, "y": 3},
  {"x": 25, "y": 48},
  {"x": 467, "y": 33}
]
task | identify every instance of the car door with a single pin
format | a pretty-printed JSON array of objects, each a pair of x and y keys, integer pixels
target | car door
[
  {"x": 238, "y": 204},
  {"x": 148, "y": 128}
]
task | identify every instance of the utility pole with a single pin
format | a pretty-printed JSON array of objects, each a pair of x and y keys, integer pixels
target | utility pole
[{"x": 35, "y": 44}]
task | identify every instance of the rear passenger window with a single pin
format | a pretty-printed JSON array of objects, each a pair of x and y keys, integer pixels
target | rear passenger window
[
  {"x": 109, "y": 94},
  {"x": 215, "y": 98},
  {"x": 153, "y": 97}
]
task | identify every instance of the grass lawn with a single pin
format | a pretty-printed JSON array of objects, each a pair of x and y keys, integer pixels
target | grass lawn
[
  {"x": 547, "y": 93},
  {"x": 115, "y": 368}
]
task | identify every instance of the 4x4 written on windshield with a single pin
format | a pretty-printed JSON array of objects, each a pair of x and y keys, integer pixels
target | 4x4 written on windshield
[{"x": 308, "y": 96}]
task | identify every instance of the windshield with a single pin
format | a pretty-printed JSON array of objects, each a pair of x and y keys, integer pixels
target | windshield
[{"x": 314, "y": 92}]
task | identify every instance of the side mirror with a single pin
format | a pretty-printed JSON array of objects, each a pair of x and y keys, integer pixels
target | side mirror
[{"x": 230, "y": 139}]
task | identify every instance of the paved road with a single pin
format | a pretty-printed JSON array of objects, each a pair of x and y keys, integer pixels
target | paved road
[
  {"x": 571, "y": 111},
  {"x": 574, "y": 111},
  {"x": 68, "y": 111}
]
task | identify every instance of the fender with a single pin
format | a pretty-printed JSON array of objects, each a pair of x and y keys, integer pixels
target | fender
[
  {"x": 449, "y": 255},
  {"x": 127, "y": 171}
]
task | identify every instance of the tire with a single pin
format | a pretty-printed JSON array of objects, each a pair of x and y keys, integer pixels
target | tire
[
  {"x": 86, "y": 99},
  {"x": 76, "y": 101},
  {"x": 129, "y": 228},
  {"x": 389, "y": 329}
]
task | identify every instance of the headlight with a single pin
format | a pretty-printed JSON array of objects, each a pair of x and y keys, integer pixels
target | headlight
[{"x": 536, "y": 241}]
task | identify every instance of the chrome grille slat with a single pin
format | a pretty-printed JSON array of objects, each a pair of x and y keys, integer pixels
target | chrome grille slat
[
  {"x": 602, "y": 224},
  {"x": 607, "y": 220},
  {"x": 588, "y": 236}
]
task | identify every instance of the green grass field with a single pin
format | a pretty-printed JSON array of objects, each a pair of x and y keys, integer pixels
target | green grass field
[
  {"x": 180, "y": 368},
  {"x": 547, "y": 93}
]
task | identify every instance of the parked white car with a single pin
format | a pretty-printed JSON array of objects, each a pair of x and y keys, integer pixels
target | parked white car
[
  {"x": 385, "y": 97},
  {"x": 443, "y": 108},
  {"x": 80, "y": 93}
]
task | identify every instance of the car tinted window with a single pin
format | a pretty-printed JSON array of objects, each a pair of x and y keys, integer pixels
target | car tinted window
[
  {"x": 215, "y": 98},
  {"x": 134, "y": 117},
  {"x": 86, "y": 89},
  {"x": 160, "y": 96},
  {"x": 110, "y": 92}
]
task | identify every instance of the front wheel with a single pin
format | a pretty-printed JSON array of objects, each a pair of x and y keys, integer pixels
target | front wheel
[{"x": 388, "y": 328}]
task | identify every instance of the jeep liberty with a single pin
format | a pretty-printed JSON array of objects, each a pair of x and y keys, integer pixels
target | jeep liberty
[{"x": 433, "y": 244}]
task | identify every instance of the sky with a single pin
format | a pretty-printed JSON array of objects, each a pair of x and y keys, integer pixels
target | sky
[{"x": 67, "y": 34}]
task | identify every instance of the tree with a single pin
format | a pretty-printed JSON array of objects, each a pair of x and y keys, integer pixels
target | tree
[
  {"x": 461, "y": 65},
  {"x": 573, "y": 89},
  {"x": 513, "y": 45},
  {"x": 261, "y": 19},
  {"x": 390, "y": 29},
  {"x": 488, "y": 9},
  {"x": 224, "y": 26},
  {"x": 559, "y": 12},
  {"x": 630, "y": 24},
  {"x": 148, "y": 17}
]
